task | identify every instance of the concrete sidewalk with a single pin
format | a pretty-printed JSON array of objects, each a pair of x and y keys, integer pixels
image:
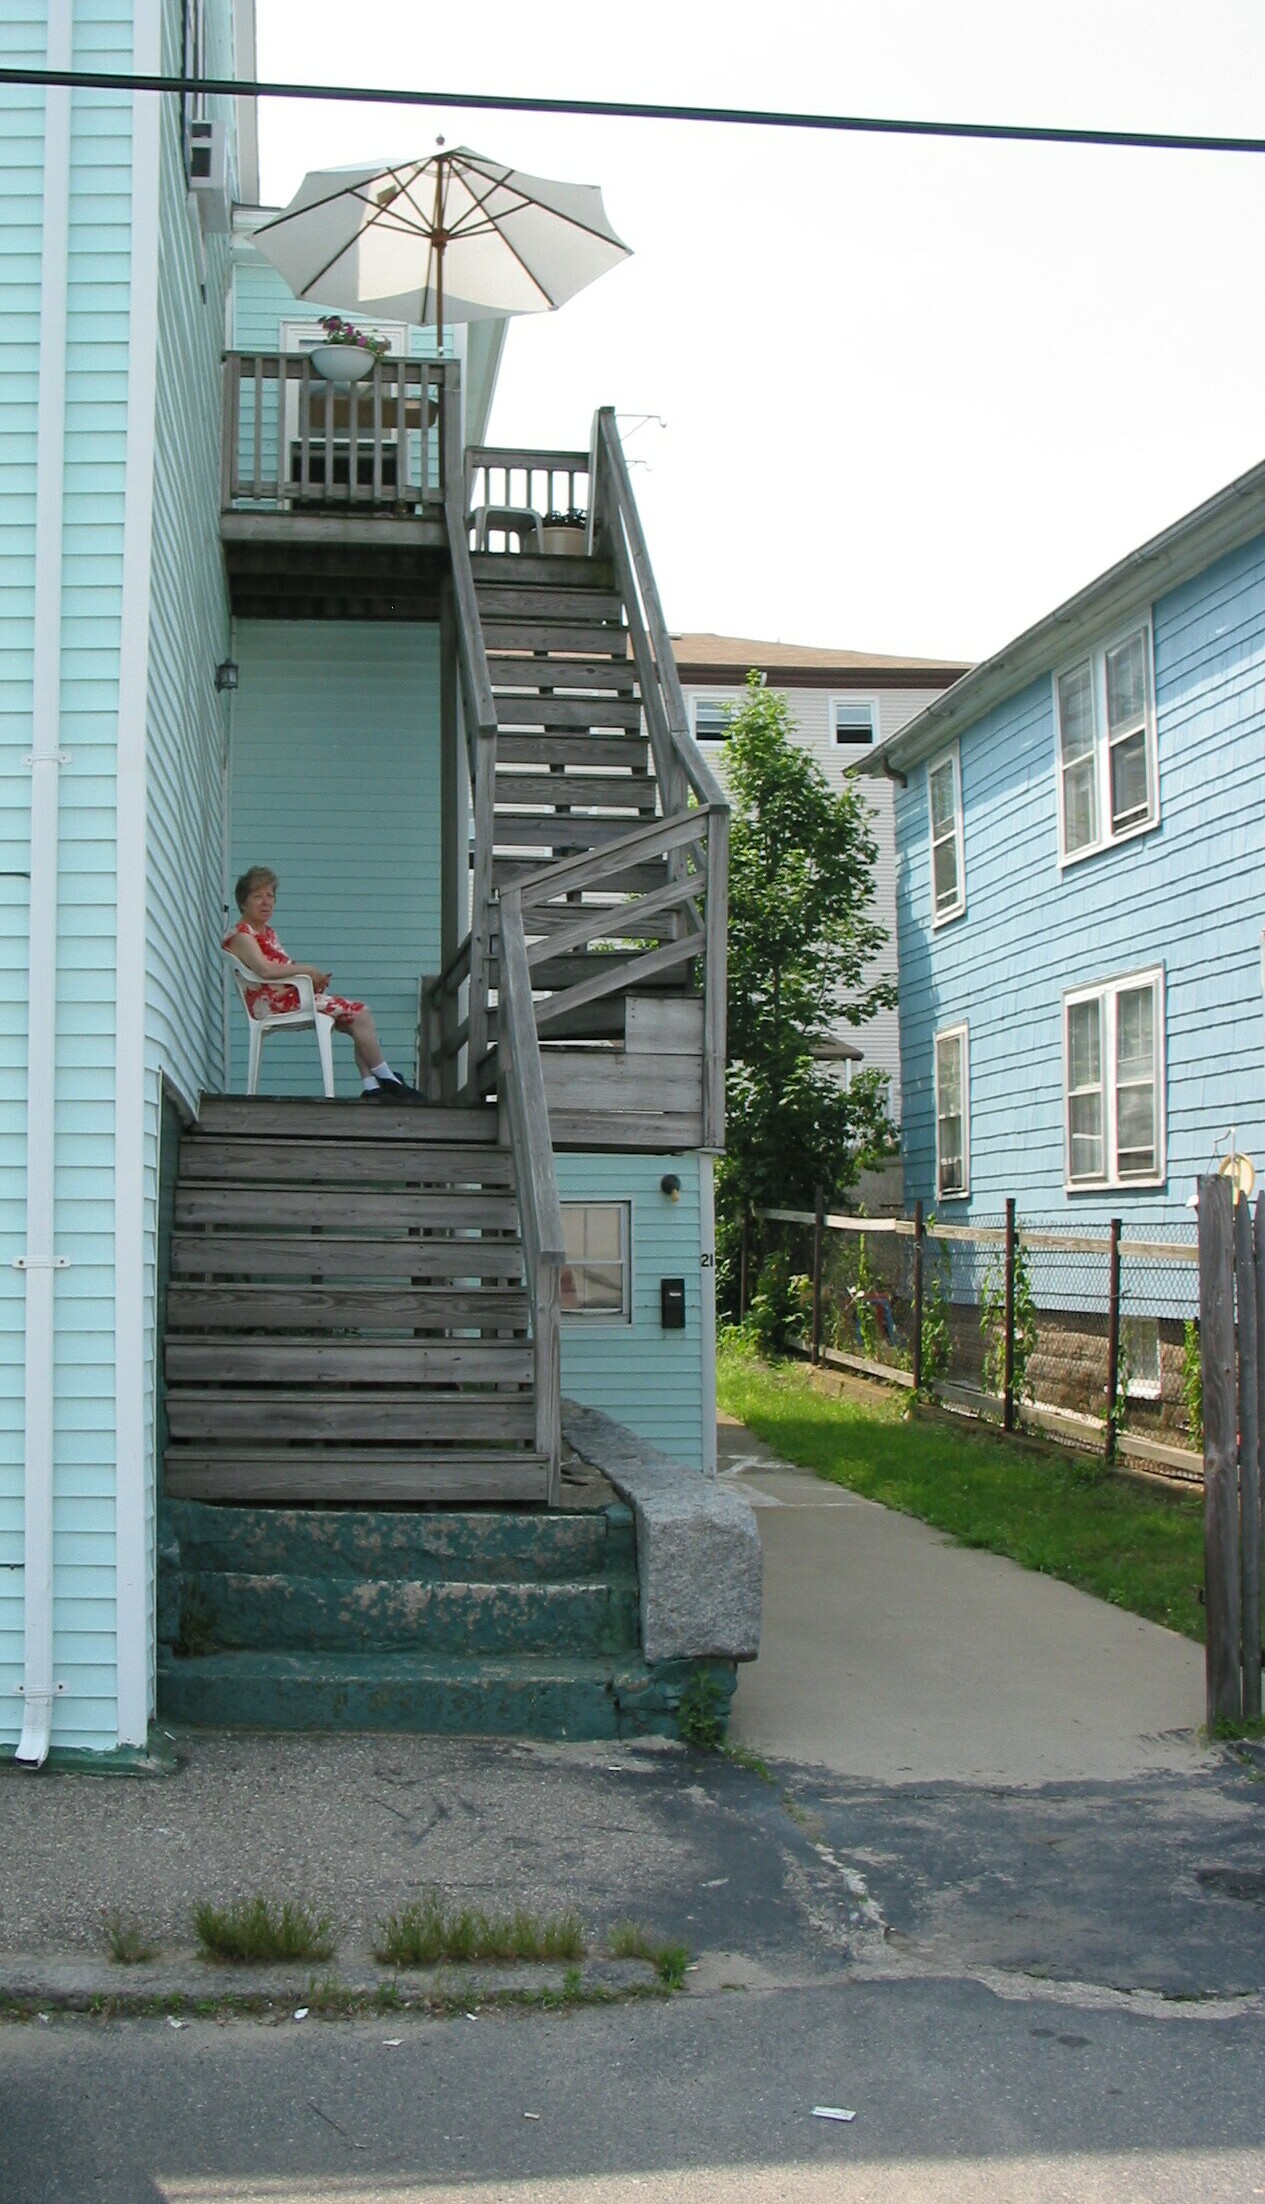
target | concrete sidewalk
[{"x": 892, "y": 1654}]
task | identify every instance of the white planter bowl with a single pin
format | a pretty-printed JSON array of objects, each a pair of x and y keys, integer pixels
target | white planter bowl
[
  {"x": 564, "y": 542},
  {"x": 342, "y": 363}
]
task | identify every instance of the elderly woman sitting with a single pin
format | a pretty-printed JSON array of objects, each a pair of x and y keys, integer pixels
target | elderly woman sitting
[{"x": 253, "y": 942}]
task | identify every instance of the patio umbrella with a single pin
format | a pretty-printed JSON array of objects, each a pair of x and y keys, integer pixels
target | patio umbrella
[{"x": 453, "y": 235}]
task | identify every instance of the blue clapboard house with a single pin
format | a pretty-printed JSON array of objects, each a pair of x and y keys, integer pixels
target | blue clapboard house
[
  {"x": 1080, "y": 828},
  {"x": 255, "y": 617}
]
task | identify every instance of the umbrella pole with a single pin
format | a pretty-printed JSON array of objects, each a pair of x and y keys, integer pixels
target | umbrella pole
[{"x": 439, "y": 241}]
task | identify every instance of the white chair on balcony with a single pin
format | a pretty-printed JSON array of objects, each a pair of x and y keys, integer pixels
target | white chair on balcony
[
  {"x": 519, "y": 521},
  {"x": 273, "y": 1021}
]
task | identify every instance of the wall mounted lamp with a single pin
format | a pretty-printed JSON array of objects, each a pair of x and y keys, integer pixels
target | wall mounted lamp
[
  {"x": 226, "y": 675},
  {"x": 670, "y": 1185}
]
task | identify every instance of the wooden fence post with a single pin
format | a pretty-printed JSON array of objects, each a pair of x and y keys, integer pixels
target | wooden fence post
[
  {"x": 916, "y": 1343},
  {"x": 1008, "y": 1365},
  {"x": 744, "y": 1261},
  {"x": 1113, "y": 1342},
  {"x": 1247, "y": 1260},
  {"x": 1222, "y": 1589},
  {"x": 819, "y": 1233}
]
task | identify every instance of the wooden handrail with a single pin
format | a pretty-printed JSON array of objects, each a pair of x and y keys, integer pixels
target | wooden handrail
[
  {"x": 611, "y": 484},
  {"x": 521, "y": 1089},
  {"x": 480, "y": 715},
  {"x": 589, "y": 872}
]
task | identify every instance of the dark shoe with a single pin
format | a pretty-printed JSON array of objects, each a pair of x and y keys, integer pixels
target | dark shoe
[{"x": 397, "y": 1091}]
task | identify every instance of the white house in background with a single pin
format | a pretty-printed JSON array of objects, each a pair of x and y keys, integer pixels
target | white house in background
[{"x": 844, "y": 702}]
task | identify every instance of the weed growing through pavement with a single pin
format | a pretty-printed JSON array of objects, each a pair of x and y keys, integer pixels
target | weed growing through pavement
[
  {"x": 251, "y": 1929},
  {"x": 700, "y": 1713},
  {"x": 422, "y": 1935},
  {"x": 628, "y": 1940},
  {"x": 129, "y": 1945}
]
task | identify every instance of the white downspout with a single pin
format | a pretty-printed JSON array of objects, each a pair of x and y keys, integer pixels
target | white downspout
[
  {"x": 39, "y": 1261},
  {"x": 707, "y": 1306}
]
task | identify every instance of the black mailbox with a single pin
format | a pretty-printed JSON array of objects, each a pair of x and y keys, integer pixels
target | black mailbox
[{"x": 672, "y": 1304}]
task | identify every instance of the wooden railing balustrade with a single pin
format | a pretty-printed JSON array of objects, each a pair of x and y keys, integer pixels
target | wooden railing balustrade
[
  {"x": 293, "y": 441},
  {"x": 505, "y": 478},
  {"x": 525, "y": 1119}
]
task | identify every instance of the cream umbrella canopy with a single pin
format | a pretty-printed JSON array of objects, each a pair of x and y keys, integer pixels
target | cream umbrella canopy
[{"x": 454, "y": 235}]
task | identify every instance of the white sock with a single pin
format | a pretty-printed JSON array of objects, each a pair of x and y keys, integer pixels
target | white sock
[
  {"x": 369, "y": 1084},
  {"x": 383, "y": 1071}
]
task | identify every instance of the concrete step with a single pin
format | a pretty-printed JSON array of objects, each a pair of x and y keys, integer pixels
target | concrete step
[
  {"x": 360, "y": 1614},
  {"x": 525, "y": 1696},
  {"x": 487, "y": 1547}
]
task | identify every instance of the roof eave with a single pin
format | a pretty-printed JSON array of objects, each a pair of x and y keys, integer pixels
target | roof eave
[{"x": 1232, "y": 517}]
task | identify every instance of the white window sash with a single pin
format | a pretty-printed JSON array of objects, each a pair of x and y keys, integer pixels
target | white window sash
[
  {"x": 1113, "y": 1087},
  {"x": 844, "y": 740},
  {"x": 599, "y": 1266},
  {"x": 1087, "y": 776},
  {"x": 947, "y": 837},
  {"x": 953, "y": 1151}
]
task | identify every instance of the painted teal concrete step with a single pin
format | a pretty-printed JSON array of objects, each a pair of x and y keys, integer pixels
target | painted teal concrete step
[
  {"x": 360, "y": 1615},
  {"x": 487, "y": 1545},
  {"x": 485, "y": 1697}
]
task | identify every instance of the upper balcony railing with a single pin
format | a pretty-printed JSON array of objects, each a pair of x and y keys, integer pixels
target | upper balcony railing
[{"x": 296, "y": 443}]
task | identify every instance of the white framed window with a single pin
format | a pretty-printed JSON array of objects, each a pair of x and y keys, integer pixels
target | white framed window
[
  {"x": 595, "y": 1277},
  {"x": 944, "y": 805},
  {"x": 1104, "y": 707},
  {"x": 710, "y": 716},
  {"x": 1140, "y": 1352},
  {"x": 1113, "y": 1058},
  {"x": 953, "y": 1114},
  {"x": 854, "y": 721}
]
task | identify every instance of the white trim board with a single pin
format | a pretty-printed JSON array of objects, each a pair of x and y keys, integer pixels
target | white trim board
[{"x": 133, "y": 1590}]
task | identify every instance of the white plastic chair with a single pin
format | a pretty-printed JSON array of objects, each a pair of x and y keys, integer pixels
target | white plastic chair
[{"x": 270, "y": 1021}]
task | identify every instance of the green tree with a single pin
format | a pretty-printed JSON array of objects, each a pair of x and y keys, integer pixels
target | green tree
[{"x": 802, "y": 942}]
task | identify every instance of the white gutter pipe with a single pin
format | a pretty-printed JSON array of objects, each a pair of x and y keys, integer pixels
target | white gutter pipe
[{"x": 39, "y": 1261}]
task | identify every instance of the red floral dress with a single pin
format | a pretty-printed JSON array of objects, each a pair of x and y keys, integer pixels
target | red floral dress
[{"x": 271, "y": 1001}]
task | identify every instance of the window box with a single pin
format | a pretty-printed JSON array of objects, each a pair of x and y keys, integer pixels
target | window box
[
  {"x": 1104, "y": 708},
  {"x": 953, "y": 1114},
  {"x": 1113, "y": 1057},
  {"x": 948, "y": 866}
]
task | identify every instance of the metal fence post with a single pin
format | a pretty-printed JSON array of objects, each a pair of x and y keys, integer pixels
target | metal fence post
[
  {"x": 1246, "y": 1258},
  {"x": 1008, "y": 1366},
  {"x": 819, "y": 1216},
  {"x": 744, "y": 1260},
  {"x": 1113, "y": 1341},
  {"x": 916, "y": 1343},
  {"x": 1222, "y": 1588}
]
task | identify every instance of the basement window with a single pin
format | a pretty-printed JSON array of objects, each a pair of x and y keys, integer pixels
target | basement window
[{"x": 595, "y": 1276}]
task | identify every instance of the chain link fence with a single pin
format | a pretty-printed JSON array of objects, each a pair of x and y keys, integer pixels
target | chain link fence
[{"x": 1091, "y": 1336}]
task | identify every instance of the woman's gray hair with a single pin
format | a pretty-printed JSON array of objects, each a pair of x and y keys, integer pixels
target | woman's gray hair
[{"x": 255, "y": 876}]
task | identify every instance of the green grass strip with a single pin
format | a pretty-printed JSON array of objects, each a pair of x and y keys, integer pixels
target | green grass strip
[
  {"x": 251, "y": 1931},
  {"x": 1042, "y": 1506},
  {"x": 422, "y": 1935}
]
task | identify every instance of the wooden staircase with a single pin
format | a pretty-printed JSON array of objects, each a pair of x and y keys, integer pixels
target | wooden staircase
[
  {"x": 574, "y": 773},
  {"x": 346, "y": 1316}
]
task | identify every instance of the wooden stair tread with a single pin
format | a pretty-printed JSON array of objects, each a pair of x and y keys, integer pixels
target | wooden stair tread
[
  {"x": 630, "y": 752},
  {"x": 231, "y": 1308},
  {"x": 614, "y": 791},
  {"x": 580, "y": 638},
  {"x": 314, "y": 1118},
  {"x": 270, "y": 1417},
  {"x": 516, "y": 710},
  {"x": 442, "y": 1476},
  {"x": 531, "y": 670},
  {"x": 261, "y": 1255},
  {"x": 286, "y": 1360},
  {"x": 318, "y": 1208},
  {"x": 207, "y": 1156}
]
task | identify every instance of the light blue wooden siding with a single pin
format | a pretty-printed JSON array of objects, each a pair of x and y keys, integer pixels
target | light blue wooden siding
[
  {"x": 187, "y": 722},
  {"x": 647, "y": 1378},
  {"x": 1189, "y": 896},
  {"x": 335, "y": 784},
  {"x": 21, "y": 215}
]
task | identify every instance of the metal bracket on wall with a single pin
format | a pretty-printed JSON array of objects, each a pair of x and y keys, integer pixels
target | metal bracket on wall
[
  {"x": 46, "y": 757},
  {"x": 41, "y": 1262},
  {"x": 20, "y": 1692}
]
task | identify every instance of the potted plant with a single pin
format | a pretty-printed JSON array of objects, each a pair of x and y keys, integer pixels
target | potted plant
[
  {"x": 565, "y": 534},
  {"x": 348, "y": 354}
]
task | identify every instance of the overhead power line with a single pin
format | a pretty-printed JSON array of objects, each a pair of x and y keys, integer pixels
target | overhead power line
[{"x": 892, "y": 126}]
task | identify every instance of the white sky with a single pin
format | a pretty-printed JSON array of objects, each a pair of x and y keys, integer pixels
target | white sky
[{"x": 914, "y": 393}]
